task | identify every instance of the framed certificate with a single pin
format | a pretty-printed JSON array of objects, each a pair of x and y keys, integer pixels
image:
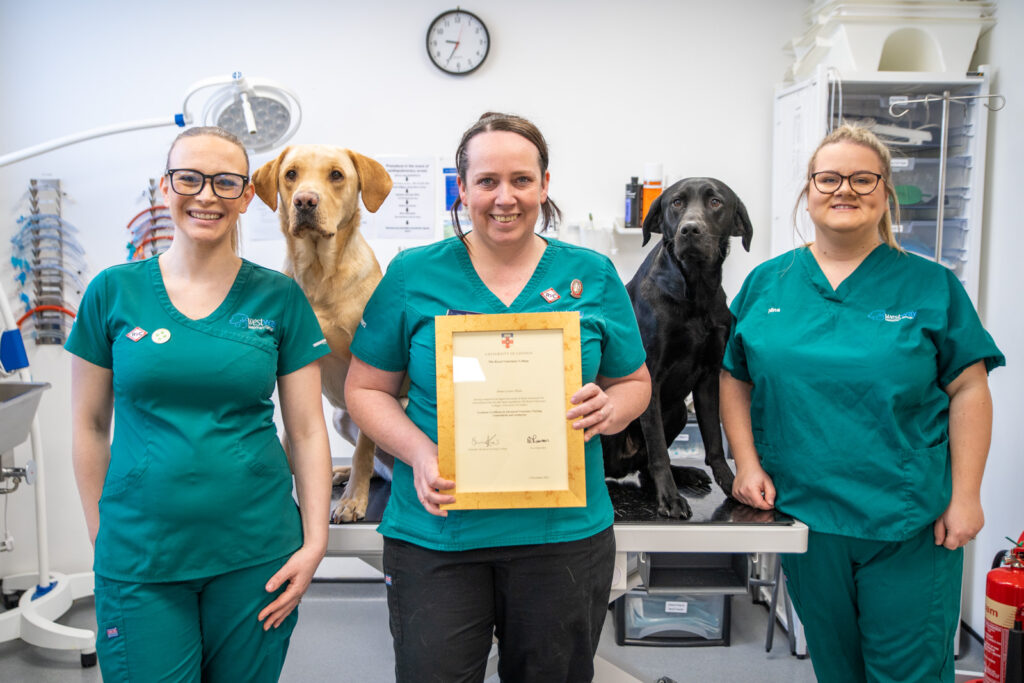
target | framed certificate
[{"x": 503, "y": 388}]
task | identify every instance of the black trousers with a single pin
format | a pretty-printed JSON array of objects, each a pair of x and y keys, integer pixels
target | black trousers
[{"x": 545, "y": 603}]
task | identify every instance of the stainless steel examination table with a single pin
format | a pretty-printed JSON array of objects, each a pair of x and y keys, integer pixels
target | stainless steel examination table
[{"x": 718, "y": 525}]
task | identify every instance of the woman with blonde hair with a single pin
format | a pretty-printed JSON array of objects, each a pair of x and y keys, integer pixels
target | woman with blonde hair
[
  {"x": 201, "y": 554},
  {"x": 854, "y": 394}
]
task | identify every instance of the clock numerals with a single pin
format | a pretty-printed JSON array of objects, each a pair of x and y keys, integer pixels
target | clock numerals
[{"x": 457, "y": 42}]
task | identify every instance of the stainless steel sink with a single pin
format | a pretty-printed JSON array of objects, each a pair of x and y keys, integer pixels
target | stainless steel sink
[{"x": 18, "y": 404}]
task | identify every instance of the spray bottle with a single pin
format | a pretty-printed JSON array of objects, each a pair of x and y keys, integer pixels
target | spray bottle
[{"x": 632, "y": 215}]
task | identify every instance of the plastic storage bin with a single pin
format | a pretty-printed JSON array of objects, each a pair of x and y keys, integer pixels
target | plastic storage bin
[
  {"x": 680, "y": 620},
  {"x": 688, "y": 444},
  {"x": 915, "y": 235},
  {"x": 923, "y": 174}
]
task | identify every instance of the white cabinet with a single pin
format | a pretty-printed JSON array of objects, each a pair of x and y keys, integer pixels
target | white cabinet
[{"x": 938, "y": 150}]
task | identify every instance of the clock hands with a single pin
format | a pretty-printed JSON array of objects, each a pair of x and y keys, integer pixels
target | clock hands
[
  {"x": 447, "y": 30},
  {"x": 456, "y": 41}
]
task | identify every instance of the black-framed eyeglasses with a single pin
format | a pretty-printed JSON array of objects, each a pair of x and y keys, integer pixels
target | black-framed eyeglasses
[
  {"x": 189, "y": 182},
  {"x": 861, "y": 182}
]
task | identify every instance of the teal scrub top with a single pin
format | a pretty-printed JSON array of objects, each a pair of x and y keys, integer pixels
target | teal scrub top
[
  {"x": 848, "y": 410},
  {"x": 198, "y": 483},
  {"x": 397, "y": 334}
]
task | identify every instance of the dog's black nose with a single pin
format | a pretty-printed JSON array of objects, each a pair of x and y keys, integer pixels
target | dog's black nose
[
  {"x": 305, "y": 201},
  {"x": 689, "y": 229}
]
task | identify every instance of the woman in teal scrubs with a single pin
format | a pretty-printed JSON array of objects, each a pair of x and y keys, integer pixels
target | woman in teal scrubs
[
  {"x": 537, "y": 579},
  {"x": 855, "y": 398},
  {"x": 201, "y": 554}
]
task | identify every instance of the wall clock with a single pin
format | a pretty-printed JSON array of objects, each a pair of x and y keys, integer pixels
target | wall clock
[{"x": 458, "y": 42}]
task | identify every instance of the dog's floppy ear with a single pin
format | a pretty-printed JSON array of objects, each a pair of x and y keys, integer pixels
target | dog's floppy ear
[
  {"x": 741, "y": 225},
  {"x": 265, "y": 180},
  {"x": 374, "y": 181},
  {"x": 653, "y": 221}
]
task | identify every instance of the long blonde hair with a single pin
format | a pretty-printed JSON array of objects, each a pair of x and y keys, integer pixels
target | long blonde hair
[{"x": 859, "y": 135}]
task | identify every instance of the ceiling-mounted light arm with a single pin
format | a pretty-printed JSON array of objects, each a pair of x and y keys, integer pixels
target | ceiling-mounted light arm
[
  {"x": 204, "y": 84},
  {"x": 176, "y": 120},
  {"x": 260, "y": 113},
  {"x": 250, "y": 119},
  {"x": 244, "y": 90}
]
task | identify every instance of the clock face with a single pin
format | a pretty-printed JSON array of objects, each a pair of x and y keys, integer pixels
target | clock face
[{"x": 458, "y": 42}]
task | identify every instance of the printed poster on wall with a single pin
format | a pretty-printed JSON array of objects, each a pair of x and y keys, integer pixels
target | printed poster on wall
[{"x": 409, "y": 211}]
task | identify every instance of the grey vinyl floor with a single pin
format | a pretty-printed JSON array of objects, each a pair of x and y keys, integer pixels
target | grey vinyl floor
[{"x": 343, "y": 636}]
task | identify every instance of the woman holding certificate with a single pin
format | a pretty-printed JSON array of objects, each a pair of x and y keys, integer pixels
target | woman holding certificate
[{"x": 537, "y": 579}]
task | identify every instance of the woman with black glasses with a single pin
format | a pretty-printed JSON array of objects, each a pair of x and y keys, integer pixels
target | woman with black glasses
[
  {"x": 201, "y": 554},
  {"x": 855, "y": 398}
]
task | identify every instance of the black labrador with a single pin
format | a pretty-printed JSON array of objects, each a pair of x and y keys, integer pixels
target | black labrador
[{"x": 684, "y": 323}]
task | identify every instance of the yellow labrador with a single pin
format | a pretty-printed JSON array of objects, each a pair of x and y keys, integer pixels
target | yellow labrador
[{"x": 319, "y": 187}]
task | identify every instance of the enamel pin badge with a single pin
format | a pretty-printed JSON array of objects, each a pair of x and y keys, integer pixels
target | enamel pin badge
[
  {"x": 576, "y": 288},
  {"x": 161, "y": 335},
  {"x": 136, "y": 334},
  {"x": 550, "y": 295}
]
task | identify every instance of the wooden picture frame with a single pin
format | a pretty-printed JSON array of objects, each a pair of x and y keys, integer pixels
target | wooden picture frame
[{"x": 503, "y": 388}]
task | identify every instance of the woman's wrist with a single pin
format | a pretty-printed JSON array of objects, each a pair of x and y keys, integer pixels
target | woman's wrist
[
  {"x": 746, "y": 460},
  {"x": 315, "y": 547},
  {"x": 965, "y": 496}
]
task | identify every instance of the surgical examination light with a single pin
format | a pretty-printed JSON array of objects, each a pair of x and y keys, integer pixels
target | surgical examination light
[{"x": 260, "y": 113}]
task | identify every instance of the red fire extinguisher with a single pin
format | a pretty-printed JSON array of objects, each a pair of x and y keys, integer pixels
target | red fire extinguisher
[{"x": 1004, "y": 612}]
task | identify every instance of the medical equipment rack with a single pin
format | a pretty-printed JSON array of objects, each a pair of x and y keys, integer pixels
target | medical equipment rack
[{"x": 45, "y": 595}]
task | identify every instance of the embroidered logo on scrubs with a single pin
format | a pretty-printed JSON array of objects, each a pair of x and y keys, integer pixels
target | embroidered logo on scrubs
[
  {"x": 775, "y": 309},
  {"x": 550, "y": 295},
  {"x": 161, "y": 335},
  {"x": 242, "y": 320},
  {"x": 881, "y": 315},
  {"x": 112, "y": 632},
  {"x": 136, "y": 334}
]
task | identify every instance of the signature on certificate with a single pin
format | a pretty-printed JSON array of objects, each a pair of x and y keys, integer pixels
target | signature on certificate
[
  {"x": 489, "y": 440},
  {"x": 533, "y": 438}
]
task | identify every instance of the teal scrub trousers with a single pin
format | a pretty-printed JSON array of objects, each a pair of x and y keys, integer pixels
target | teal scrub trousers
[
  {"x": 877, "y": 610},
  {"x": 190, "y": 631}
]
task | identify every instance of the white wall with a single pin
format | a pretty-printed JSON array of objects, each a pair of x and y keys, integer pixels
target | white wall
[
  {"x": 611, "y": 84},
  {"x": 1002, "y": 279}
]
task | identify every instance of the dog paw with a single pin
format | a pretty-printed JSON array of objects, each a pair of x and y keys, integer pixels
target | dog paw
[
  {"x": 675, "y": 507},
  {"x": 352, "y": 504},
  {"x": 340, "y": 475},
  {"x": 348, "y": 511},
  {"x": 693, "y": 478}
]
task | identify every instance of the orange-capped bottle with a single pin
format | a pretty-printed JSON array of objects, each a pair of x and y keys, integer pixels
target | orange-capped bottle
[{"x": 652, "y": 187}]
